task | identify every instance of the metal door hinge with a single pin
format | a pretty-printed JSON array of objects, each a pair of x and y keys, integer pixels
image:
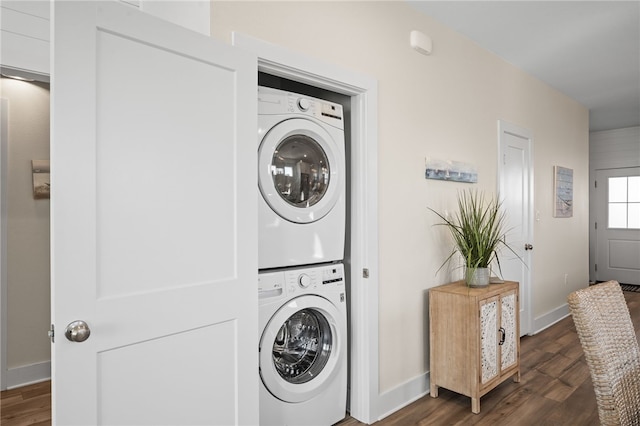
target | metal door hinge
[
  {"x": 595, "y": 183},
  {"x": 596, "y": 265},
  {"x": 52, "y": 333},
  {"x": 596, "y": 225},
  {"x": 365, "y": 272}
]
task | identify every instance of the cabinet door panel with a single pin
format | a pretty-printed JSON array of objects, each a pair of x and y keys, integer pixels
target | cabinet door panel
[
  {"x": 488, "y": 339},
  {"x": 509, "y": 349}
]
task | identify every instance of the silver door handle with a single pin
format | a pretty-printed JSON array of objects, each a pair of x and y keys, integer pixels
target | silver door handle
[
  {"x": 77, "y": 331},
  {"x": 528, "y": 247}
]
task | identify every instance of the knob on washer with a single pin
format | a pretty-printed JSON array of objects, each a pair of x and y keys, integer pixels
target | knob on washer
[
  {"x": 304, "y": 280},
  {"x": 303, "y": 104}
]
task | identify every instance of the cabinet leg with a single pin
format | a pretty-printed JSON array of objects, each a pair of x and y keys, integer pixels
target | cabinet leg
[
  {"x": 516, "y": 377},
  {"x": 475, "y": 405},
  {"x": 434, "y": 391}
]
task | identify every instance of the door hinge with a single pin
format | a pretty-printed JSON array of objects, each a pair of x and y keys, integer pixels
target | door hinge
[
  {"x": 596, "y": 265},
  {"x": 596, "y": 225},
  {"x": 365, "y": 272},
  {"x": 52, "y": 333}
]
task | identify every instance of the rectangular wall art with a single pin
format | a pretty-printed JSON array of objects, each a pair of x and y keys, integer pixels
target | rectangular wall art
[
  {"x": 41, "y": 179},
  {"x": 454, "y": 171},
  {"x": 562, "y": 191}
]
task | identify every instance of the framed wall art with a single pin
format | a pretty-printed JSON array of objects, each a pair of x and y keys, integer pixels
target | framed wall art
[
  {"x": 454, "y": 171},
  {"x": 562, "y": 192},
  {"x": 41, "y": 179}
]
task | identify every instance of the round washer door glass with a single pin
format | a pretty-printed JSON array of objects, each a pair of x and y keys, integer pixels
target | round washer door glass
[
  {"x": 302, "y": 346},
  {"x": 300, "y": 170}
]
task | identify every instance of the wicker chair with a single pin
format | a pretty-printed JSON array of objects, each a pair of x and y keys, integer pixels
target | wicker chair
[{"x": 608, "y": 339}]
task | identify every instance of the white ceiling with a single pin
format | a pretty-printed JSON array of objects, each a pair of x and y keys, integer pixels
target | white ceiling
[{"x": 589, "y": 50}]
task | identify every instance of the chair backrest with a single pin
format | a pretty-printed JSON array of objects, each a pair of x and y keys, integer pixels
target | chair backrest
[{"x": 608, "y": 339}]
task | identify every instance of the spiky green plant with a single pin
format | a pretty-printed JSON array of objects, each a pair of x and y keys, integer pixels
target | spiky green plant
[{"x": 477, "y": 229}]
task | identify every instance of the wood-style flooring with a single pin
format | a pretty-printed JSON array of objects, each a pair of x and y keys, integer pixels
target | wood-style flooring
[
  {"x": 28, "y": 405},
  {"x": 555, "y": 389}
]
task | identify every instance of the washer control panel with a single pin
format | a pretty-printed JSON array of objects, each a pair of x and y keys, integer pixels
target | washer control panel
[{"x": 312, "y": 279}]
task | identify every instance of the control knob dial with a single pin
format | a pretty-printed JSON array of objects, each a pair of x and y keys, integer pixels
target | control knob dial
[
  {"x": 303, "y": 104},
  {"x": 304, "y": 280}
]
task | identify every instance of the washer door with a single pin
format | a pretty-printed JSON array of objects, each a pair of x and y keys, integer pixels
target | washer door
[
  {"x": 299, "y": 173},
  {"x": 300, "y": 349}
]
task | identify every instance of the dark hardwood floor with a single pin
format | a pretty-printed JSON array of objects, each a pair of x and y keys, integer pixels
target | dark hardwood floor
[{"x": 555, "y": 389}]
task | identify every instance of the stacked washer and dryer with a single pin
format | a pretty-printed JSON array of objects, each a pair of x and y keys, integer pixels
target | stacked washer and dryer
[{"x": 302, "y": 294}]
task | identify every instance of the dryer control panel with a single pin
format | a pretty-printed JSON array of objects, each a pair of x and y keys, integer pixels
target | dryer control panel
[{"x": 274, "y": 101}]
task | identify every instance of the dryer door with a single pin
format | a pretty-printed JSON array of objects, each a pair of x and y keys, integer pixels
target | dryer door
[
  {"x": 301, "y": 347},
  {"x": 300, "y": 170}
]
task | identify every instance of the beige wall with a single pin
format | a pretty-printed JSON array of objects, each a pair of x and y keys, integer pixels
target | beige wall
[
  {"x": 28, "y": 279},
  {"x": 446, "y": 106}
]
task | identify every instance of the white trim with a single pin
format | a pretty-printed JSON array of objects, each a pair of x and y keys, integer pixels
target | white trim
[
  {"x": 4, "y": 134},
  {"x": 505, "y": 127},
  {"x": 550, "y": 318},
  {"x": 363, "y": 91},
  {"x": 403, "y": 395},
  {"x": 28, "y": 374},
  {"x": 8, "y": 71}
]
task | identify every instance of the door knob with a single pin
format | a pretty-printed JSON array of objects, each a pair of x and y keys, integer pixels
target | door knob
[
  {"x": 528, "y": 247},
  {"x": 77, "y": 331}
]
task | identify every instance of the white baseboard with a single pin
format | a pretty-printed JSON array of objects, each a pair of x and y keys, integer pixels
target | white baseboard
[
  {"x": 392, "y": 400},
  {"x": 550, "y": 318},
  {"x": 28, "y": 374}
]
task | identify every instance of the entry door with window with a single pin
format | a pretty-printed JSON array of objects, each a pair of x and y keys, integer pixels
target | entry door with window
[
  {"x": 618, "y": 225},
  {"x": 154, "y": 239}
]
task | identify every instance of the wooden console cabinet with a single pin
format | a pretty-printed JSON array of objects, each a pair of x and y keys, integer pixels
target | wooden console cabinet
[{"x": 474, "y": 340}]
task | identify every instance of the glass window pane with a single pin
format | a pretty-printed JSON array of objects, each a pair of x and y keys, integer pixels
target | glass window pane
[
  {"x": 634, "y": 189},
  {"x": 618, "y": 215},
  {"x": 617, "y": 189},
  {"x": 634, "y": 216}
]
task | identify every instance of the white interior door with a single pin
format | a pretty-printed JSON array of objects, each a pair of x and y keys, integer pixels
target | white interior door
[
  {"x": 515, "y": 188},
  {"x": 618, "y": 225},
  {"x": 153, "y": 221}
]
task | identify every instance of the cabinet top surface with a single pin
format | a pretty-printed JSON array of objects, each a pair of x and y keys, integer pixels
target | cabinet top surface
[{"x": 460, "y": 287}]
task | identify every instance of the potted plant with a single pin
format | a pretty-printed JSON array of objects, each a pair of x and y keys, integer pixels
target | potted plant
[{"x": 478, "y": 233}]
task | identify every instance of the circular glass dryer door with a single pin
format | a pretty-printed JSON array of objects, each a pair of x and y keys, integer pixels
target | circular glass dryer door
[
  {"x": 299, "y": 349},
  {"x": 299, "y": 174}
]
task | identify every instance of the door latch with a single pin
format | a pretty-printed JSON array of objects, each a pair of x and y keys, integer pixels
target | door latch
[{"x": 52, "y": 334}]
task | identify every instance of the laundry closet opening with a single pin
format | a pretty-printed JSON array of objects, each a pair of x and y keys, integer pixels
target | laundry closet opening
[{"x": 300, "y": 148}]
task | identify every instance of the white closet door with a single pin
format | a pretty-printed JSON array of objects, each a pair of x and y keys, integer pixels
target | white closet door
[{"x": 153, "y": 221}]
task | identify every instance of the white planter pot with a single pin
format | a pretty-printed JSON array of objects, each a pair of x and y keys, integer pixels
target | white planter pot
[{"x": 477, "y": 277}]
